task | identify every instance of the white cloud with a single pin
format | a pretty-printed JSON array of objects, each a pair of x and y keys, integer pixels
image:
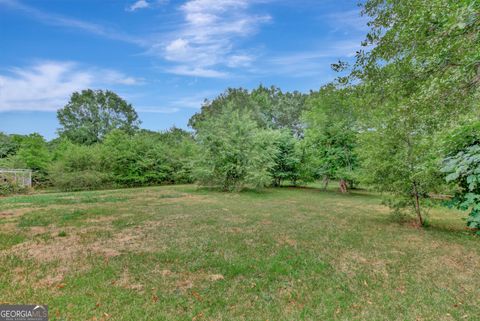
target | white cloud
[
  {"x": 205, "y": 42},
  {"x": 108, "y": 76},
  {"x": 313, "y": 63},
  {"x": 172, "y": 105},
  {"x": 193, "y": 101},
  {"x": 185, "y": 70},
  {"x": 63, "y": 21},
  {"x": 239, "y": 61},
  {"x": 48, "y": 85},
  {"x": 335, "y": 50},
  {"x": 348, "y": 21},
  {"x": 140, "y": 4},
  {"x": 144, "y": 4}
]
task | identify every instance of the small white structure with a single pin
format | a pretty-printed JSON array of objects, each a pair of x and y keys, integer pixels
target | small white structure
[{"x": 21, "y": 177}]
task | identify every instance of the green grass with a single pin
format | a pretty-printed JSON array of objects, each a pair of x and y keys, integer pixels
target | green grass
[{"x": 182, "y": 253}]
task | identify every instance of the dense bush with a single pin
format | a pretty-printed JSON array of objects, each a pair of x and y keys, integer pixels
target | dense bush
[
  {"x": 331, "y": 136},
  {"x": 8, "y": 187},
  {"x": 288, "y": 158},
  {"x": 461, "y": 167},
  {"x": 31, "y": 153},
  {"x": 9, "y": 145},
  {"x": 145, "y": 158},
  {"x": 234, "y": 152},
  {"x": 79, "y": 167},
  {"x": 11, "y": 188}
]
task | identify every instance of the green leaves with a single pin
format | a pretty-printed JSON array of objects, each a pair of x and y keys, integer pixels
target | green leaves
[
  {"x": 464, "y": 170},
  {"x": 146, "y": 158},
  {"x": 287, "y": 159},
  {"x": 418, "y": 77},
  {"x": 268, "y": 107},
  {"x": 234, "y": 152},
  {"x": 331, "y": 133},
  {"x": 92, "y": 114}
]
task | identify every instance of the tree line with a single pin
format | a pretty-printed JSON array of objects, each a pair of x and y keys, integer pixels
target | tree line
[
  {"x": 403, "y": 119},
  {"x": 241, "y": 139}
]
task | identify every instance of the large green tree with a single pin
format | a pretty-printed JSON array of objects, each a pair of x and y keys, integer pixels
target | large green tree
[
  {"x": 91, "y": 114},
  {"x": 419, "y": 75},
  {"x": 269, "y": 107},
  {"x": 331, "y": 135},
  {"x": 9, "y": 145},
  {"x": 288, "y": 158},
  {"x": 234, "y": 151}
]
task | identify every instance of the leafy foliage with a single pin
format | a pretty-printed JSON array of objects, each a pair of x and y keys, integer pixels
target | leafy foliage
[
  {"x": 9, "y": 145},
  {"x": 462, "y": 167},
  {"x": 330, "y": 134},
  {"x": 32, "y": 153},
  {"x": 149, "y": 158},
  {"x": 8, "y": 187},
  {"x": 287, "y": 159},
  {"x": 268, "y": 107},
  {"x": 418, "y": 75},
  {"x": 234, "y": 152},
  {"x": 146, "y": 158},
  {"x": 92, "y": 114},
  {"x": 79, "y": 167}
]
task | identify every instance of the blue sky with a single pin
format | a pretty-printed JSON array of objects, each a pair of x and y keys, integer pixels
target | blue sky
[{"x": 163, "y": 56}]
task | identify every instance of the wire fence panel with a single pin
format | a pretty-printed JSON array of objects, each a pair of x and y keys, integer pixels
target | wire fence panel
[{"x": 20, "y": 177}]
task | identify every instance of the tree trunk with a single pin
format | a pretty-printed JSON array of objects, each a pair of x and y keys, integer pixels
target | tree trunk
[
  {"x": 343, "y": 186},
  {"x": 326, "y": 180},
  {"x": 417, "y": 204}
]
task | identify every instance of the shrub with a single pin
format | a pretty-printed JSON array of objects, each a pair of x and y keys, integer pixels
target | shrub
[
  {"x": 235, "y": 152},
  {"x": 463, "y": 169},
  {"x": 9, "y": 187},
  {"x": 79, "y": 168}
]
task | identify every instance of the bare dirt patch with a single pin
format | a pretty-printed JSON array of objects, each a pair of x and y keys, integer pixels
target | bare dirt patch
[
  {"x": 15, "y": 212},
  {"x": 74, "y": 246},
  {"x": 351, "y": 262},
  {"x": 458, "y": 264},
  {"x": 37, "y": 230},
  {"x": 102, "y": 219},
  {"x": 234, "y": 230},
  {"x": 63, "y": 249},
  {"x": 165, "y": 272},
  {"x": 285, "y": 240},
  {"x": 216, "y": 277},
  {"x": 183, "y": 285},
  {"x": 55, "y": 278},
  {"x": 8, "y": 227},
  {"x": 125, "y": 281}
]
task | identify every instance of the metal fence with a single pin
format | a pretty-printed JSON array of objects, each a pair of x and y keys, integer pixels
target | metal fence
[{"x": 20, "y": 177}]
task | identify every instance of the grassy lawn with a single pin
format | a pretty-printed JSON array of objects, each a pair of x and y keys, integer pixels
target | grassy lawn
[{"x": 181, "y": 253}]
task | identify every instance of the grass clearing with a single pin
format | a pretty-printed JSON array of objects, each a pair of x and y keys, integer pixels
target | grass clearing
[{"x": 182, "y": 253}]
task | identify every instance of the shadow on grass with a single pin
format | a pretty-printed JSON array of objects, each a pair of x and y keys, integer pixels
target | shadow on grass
[
  {"x": 356, "y": 192},
  {"x": 271, "y": 191},
  {"x": 435, "y": 228}
]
